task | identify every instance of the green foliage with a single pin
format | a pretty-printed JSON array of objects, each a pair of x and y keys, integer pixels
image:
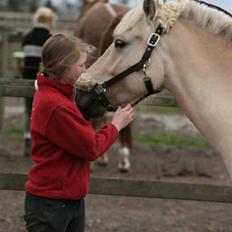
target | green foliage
[
  {"x": 49, "y": 4},
  {"x": 13, "y": 5},
  {"x": 170, "y": 139},
  {"x": 159, "y": 110},
  {"x": 33, "y": 5},
  {"x": 13, "y": 129}
]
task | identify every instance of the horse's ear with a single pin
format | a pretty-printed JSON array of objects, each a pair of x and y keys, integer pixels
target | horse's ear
[{"x": 150, "y": 8}]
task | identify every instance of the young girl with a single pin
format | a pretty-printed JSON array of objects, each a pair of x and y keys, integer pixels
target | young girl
[{"x": 63, "y": 141}]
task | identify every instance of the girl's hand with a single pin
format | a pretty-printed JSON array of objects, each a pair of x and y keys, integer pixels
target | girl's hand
[{"x": 123, "y": 116}]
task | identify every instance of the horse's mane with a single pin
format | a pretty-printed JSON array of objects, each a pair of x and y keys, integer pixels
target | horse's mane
[{"x": 210, "y": 17}]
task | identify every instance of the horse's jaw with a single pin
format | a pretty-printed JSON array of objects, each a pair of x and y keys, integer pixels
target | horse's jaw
[
  {"x": 121, "y": 92},
  {"x": 120, "y": 96}
]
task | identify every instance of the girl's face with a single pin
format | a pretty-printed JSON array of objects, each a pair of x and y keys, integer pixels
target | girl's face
[{"x": 76, "y": 70}]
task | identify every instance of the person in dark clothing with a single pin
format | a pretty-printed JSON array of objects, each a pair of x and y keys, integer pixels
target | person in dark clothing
[
  {"x": 32, "y": 45},
  {"x": 63, "y": 141}
]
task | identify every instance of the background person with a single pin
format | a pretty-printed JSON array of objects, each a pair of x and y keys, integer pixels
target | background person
[
  {"x": 63, "y": 141},
  {"x": 32, "y": 43}
]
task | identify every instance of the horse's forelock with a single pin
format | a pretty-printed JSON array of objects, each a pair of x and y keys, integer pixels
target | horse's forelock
[{"x": 168, "y": 15}]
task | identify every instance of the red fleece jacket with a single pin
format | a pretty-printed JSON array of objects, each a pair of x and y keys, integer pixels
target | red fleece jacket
[{"x": 63, "y": 143}]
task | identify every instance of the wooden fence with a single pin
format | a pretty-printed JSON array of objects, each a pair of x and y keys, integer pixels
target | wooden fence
[
  {"x": 139, "y": 188},
  {"x": 22, "y": 22},
  {"x": 25, "y": 88},
  {"x": 116, "y": 186}
]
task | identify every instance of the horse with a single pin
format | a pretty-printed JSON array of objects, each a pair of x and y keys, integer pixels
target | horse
[
  {"x": 97, "y": 17},
  {"x": 96, "y": 28},
  {"x": 184, "y": 47}
]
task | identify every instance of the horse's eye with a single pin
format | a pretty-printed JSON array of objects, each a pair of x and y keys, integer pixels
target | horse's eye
[{"x": 119, "y": 43}]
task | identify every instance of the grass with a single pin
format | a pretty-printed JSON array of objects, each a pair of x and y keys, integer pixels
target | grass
[
  {"x": 171, "y": 140},
  {"x": 156, "y": 138},
  {"x": 159, "y": 110},
  {"x": 13, "y": 129}
]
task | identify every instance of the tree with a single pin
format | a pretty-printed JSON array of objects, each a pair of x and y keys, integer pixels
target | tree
[
  {"x": 50, "y": 5},
  {"x": 13, "y": 5},
  {"x": 33, "y": 5}
]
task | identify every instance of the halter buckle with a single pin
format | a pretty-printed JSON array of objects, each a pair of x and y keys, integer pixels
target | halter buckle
[
  {"x": 153, "y": 39},
  {"x": 99, "y": 89}
]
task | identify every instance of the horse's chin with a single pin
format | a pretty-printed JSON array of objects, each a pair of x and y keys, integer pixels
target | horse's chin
[{"x": 120, "y": 101}]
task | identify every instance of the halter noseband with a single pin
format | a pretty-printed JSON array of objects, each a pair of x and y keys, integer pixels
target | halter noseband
[{"x": 100, "y": 89}]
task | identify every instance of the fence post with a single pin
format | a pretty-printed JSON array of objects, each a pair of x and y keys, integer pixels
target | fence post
[
  {"x": 1, "y": 112},
  {"x": 4, "y": 52}
]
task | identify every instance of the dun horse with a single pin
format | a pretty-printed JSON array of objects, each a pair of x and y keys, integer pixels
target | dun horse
[
  {"x": 96, "y": 28},
  {"x": 189, "y": 53}
]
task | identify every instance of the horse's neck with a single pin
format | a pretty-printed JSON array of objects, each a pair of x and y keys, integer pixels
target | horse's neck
[{"x": 201, "y": 81}]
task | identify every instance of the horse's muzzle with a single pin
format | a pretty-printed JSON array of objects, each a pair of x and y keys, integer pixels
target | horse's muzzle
[{"x": 94, "y": 103}]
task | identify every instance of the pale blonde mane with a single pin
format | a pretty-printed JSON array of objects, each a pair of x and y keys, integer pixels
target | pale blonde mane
[{"x": 211, "y": 19}]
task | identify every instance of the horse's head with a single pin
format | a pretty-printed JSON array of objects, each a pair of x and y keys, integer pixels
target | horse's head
[{"x": 129, "y": 46}]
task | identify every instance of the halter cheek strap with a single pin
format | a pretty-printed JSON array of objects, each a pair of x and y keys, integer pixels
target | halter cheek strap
[
  {"x": 152, "y": 42},
  {"x": 142, "y": 64}
]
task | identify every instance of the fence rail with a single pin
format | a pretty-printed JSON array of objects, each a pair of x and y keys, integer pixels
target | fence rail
[
  {"x": 17, "y": 21},
  {"x": 25, "y": 88},
  {"x": 139, "y": 188},
  {"x": 16, "y": 88}
]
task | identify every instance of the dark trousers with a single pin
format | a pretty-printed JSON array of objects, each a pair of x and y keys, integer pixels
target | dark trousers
[
  {"x": 50, "y": 215},
  {"x": 28, "y": 106}
]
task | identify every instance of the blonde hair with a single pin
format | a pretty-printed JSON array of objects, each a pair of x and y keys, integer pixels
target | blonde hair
[
  {"x": 60, "y": 53},
  {"x": 44, "y": 15}
]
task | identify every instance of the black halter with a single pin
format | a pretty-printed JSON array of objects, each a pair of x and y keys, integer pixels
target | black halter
[{"x": 100, "y": 89}]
